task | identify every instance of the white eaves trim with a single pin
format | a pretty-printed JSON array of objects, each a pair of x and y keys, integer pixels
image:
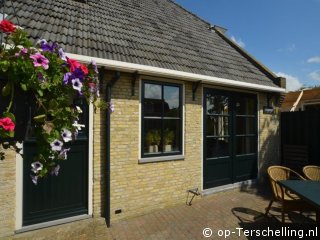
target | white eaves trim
[{"x": 168, "y": 73}]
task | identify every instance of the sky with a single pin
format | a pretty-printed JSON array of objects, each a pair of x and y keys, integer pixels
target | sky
[{"x": 282, "y": 34}]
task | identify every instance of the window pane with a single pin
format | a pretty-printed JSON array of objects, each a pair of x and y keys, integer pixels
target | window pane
[
  {"x": 171, "y": 101},
  {"x": 171, "y": 135},
  {"x": 217, "y": 147},
  {"x": 217, "y": 104},
  {"x": 245, "y": 106},
  {"x": 152, "y": 107},
  {"x": 245, "y": 125},
  {"x": 152, "y": 91},
  {"x": 246, "y": 145},
  {"x": 152, "y": 136},
  {"x": 217, "y": 126}
]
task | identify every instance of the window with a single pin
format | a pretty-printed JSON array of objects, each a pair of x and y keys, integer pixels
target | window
[{"x": 161, "y": 119}]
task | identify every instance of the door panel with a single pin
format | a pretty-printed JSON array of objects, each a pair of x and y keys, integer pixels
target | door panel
[
  {"x": 62, "y": 196},
  {"x": 230, "y": 137}
]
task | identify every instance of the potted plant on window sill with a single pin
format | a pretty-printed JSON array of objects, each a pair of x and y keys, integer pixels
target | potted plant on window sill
[
  {"x": 168, "y": 140},
  {"x": 153, "y": 141}
]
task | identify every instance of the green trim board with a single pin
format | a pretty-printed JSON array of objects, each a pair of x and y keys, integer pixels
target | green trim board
[{"x": 230, "y": 137}]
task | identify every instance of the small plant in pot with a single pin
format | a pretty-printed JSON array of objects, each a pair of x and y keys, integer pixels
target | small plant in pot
[
  {"x": 168, "y": 140},
  {"x": 153, "y": 141}
]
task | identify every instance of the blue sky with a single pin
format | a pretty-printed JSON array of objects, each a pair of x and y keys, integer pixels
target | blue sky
[{"x": 282, "y": 34}]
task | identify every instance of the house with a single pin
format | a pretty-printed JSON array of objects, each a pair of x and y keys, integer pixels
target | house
[
  {"x": 188, "y": 113},
  {"x": 302, "y": 100}
]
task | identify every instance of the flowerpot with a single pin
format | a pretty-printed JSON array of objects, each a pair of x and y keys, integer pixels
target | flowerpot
[
  {"x": 151, "y": 148},
  {"x": 155, "y": 148},
  {"x": 168, "y": 148}
]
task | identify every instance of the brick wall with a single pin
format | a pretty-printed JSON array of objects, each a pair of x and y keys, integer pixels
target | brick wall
[
  {"x": 269, "y": 136},
  {"x": 7, "y": 194},
  {"x": 139, "y": 188}
]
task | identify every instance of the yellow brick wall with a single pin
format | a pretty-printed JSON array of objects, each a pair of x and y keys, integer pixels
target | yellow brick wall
[
  {"x": 269, "y": 138},
  {"x": 138, "y": 188},
  {"x": 7, "y": 193}
]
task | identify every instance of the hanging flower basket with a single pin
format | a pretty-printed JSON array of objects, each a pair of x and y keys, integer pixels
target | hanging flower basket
[{"x": 52, "y": 80}]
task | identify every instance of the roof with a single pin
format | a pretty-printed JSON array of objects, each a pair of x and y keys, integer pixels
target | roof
[
  {"x": 308, "y": 96},
  {"x": 156, "y": 33}
]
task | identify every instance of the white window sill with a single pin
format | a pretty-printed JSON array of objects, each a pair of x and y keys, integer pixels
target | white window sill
[{"x": 161, "y": 159}]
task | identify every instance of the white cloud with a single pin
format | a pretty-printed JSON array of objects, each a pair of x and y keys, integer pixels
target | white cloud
[
  {"x": 315, "y": 59},
  {"x": 315, "y": 75},
  {"x": 239, "y": 42},
  {"x": 293, "y": 83}
]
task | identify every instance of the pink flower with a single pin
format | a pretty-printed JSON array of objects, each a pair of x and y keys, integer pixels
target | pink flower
[
  {"x": 7, "y": 124},
  {"x": 40, "y": 61}
]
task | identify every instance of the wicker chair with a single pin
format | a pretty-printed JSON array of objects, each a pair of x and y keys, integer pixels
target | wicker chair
[
  {"x": 312, "y": 172},
  {"x": 288, "y": 201}
]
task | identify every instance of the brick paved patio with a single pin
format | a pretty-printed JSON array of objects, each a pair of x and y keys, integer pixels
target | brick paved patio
[{"x": 226, "y": 210}]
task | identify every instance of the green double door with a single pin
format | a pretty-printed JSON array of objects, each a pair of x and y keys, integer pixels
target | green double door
[
  {"x": 62, "y": 196},
  {"x": 230, "y": 137}
]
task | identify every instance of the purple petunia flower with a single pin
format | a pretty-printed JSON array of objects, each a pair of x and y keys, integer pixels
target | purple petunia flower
[
  {"x": 62, "y": 54},
  {"x": 67, "y": 77},
  {"x": 66, "y": 135},
  {"x": 34, "y": 179},
  {"x": 63, "y": 153},
  {"x": 46, "y": 47},
  {"x": 56, "y": 145},
  {"x": 78, "y": 73},
  {"x": 55, "y": 171},
  {"x": 95, "y": 67},
  {"x": 42, "y": 41},
  {"x": 40, "y": 61},
  {"x": 36, "y": 166},
  {"x": 77, "y": 84}
]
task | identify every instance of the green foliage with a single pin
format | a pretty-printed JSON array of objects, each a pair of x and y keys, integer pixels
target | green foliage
[{"x": 55, "y": 119}]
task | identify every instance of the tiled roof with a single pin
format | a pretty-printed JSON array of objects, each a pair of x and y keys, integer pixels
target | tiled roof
[{"x": 157, "y": 33}]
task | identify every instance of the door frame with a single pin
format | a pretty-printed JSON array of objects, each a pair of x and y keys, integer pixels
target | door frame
[
  {"x": 236, "y": 184},
  {"x": 19, "y": 187}
]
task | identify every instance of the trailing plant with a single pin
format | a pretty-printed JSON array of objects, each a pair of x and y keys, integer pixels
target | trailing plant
[{"x": 53, "y": 80}]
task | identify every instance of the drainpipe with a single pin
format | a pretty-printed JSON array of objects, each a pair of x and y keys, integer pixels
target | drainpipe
[{"x": 114, "y": 79}]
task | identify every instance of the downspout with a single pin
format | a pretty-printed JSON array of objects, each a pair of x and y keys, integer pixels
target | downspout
[{"x": 114, "y": 79}]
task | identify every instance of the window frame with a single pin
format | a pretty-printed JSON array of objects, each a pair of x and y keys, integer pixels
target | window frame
[{"x": 161, "y": 156}]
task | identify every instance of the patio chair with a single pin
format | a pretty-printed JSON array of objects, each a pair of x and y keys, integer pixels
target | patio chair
[
  {"x": 312, "y": 172},
  {"x": 288, "y": 200}
]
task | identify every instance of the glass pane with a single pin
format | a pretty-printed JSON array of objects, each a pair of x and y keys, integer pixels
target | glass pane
[
  {"x": 217, "y": 126},
  {"x": 245, "y": 125},
  {"x": 171, "y": 101},
  {"x": 246, "y": 145},
  {"x": 217, "y": 104},
  {"x": 152, "y": 107},
  {"x": 152, "y": 91},
  {"x": 171, "y": 135},
  {"x": 152, "y": 136},
  {"x": 217, "y": 147},
  {"x": 245, "y": 106}
]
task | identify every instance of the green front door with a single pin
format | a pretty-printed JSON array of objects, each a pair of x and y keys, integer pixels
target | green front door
[
  {"x": 65, "y": 195},
  {"x": 230, "y": 137}
]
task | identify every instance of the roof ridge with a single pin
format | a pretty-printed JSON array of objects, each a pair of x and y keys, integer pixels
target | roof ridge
[{"x": 186, "y": 10}]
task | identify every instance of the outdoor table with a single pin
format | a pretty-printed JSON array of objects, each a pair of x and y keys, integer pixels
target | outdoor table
[{"x": 308, "y": 191}]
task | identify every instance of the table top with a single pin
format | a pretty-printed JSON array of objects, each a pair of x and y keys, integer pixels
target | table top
[{"x": 307, "y": 190}]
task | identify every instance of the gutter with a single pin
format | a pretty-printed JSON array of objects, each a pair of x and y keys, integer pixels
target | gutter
[
  {"x": 114, "y": 79},
  {"x": 168, "y": 73}
]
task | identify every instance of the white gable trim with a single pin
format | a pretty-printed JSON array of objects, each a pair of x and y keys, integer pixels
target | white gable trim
[{"x": 161, "y": 72}]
